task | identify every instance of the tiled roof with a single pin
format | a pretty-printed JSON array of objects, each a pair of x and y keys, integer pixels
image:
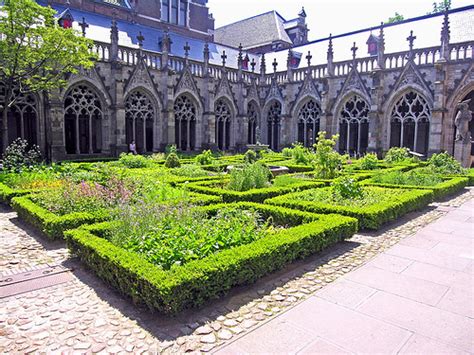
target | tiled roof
[
  {"x": 254, "y": 31},
  {"x": 427, "y": 30}
]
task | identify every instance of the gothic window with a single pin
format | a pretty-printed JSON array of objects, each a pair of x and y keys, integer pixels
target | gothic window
[
  {"x": 308, "y": 123},
  {"x": 354, "y": 126},
  {"x": 175, "y": 12},
  {"x": 410, "y": 123},
  {"x": 252, "y": 115},
  {"x": 139, "y": 114},
  {"x": 185, "y": 123},
  {"x": 223, "y": 122},
  {"x": 165, "y": 10},
  {"x": 82, "y": 121},
  {"x": 273, "y": 122},
  {"x": 22, "y": 116}
]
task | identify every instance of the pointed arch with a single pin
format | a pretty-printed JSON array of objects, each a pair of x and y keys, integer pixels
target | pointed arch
[
  {"x": 253, "y": 116},
  {"x": 353, "y": 124},
  {"x": 225, "y": 116},
  {"x": 141, "y": 116},
  {"x": 308, "y": 113},
  {"x": 186, "y": 117},
  {"x": 83, "y": 119},
  {"x": 273, "y": 121},
  {"x": 409, "y": 117}
]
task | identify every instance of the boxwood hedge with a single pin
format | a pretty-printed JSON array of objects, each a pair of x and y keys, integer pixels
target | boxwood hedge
[{"x": 191, "y": 284}]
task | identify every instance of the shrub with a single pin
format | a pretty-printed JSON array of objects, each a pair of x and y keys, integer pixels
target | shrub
[
  {"x": 250, "y": 156},
  {"x": 170, "y": 149},
  {"x": 19, "y": 154},
  {"x": 327, "y": 162},
  {"x": 369, "y": 162},
  {"x": 172, "y": 161},
  {"x": 205, "y": 158},
  {"x": 287, "y": 152},
  {"x": 157, "y": 157},
  {"x": 347, "y": 187},
  {"x": 413, "y": 178},
  {"x": 445, "y": 164},
  {"x": 286, "y": 180},
  {"x": 397, "y": 155},
  {"x": 133, "y": 161},
  {"x": 251, "y": 176},
  {"x": 300, "y": 154},
  {"x": 190, "y": 170}
]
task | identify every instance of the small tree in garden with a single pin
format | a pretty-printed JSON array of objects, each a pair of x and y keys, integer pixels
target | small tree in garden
[
  {"x": 326, "y": 161},
  {"x": 19, "y": 155},
  {"x": 35, "y": 53}
]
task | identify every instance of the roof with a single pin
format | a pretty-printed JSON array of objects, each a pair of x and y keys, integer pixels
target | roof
[
  {"x": 254, "y": 32},
  {"x": 99, "y": 30},
  {"x": 427, "y": 30}
]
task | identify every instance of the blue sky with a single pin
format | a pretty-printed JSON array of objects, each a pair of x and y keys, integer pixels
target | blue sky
[{"x": 325, "y": 16}]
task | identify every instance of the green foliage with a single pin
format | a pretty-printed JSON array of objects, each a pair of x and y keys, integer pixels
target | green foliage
[
  {"x": 327, "y": 162},
  {"x": 205, "y": 158},
  {"x": 172, "y": 161},
  {"x": 285, "y": 180},
  {"x": 397, "y": 155},
  {"x": 369, "y": 162},
  {"x": 170, "y": 149},
  {"x": 19, "y": 155},
  {"x": 396, "y": 18},
  {"x": 190, "y": 170},
  {"x": 413, "y": 178},
  {"x": 440, "y": 7},
  {"x": 192, "y": 284},
  {"x": 445, "y": 164},
  {"x": 174, "y": 235},
  {"x": 346, "y": 187},
  {"x": 250, "y": 176},
  {"x": 287, "y": 152},
  {"x": 133, "y": 161},
  {"x": 250, "y": 156}
]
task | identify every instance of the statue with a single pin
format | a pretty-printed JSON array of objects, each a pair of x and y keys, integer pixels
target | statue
[{"x": 463, "y": 117}]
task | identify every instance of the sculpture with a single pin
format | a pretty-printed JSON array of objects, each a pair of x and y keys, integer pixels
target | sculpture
[{"x": 463, "y": 117}]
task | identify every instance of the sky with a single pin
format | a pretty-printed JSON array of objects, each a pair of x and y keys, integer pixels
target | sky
[{"x": 325, "y": 16}]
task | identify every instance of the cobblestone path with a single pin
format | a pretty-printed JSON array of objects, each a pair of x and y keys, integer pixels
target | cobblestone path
[{"x": 85, "y": 316}]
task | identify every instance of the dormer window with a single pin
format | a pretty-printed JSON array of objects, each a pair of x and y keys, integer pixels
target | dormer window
[
  {"x": 174, "y": 12},
  {"x": 373, "y": 45},
  {"x": 65, "y": 19}
]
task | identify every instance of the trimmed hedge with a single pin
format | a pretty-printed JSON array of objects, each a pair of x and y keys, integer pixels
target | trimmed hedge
[
  {"x": 194, "y": 283},
  {"x": 7, "y": 193},
  {"x": 371, "y": 216},
  {"x": 53, "y": 226},
  {"x": 440, "y": 191},
  {"x": 254, "y": 195}
]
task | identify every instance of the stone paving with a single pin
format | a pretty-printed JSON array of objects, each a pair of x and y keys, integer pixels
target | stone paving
[
  {"x": 417, "y": 297},
  {"x": 85, "y": 316}
]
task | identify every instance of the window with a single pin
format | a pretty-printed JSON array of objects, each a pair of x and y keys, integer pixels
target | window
[
  {"x": 182, "y": 13},
  {"x": 174, "y": 11},
  {"x": 165, "y": 10},
  {"x": 354, "y": 126}
]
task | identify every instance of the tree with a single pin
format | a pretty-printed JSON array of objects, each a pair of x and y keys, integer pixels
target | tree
[
  {"x": 440, "y": 7},
  {"x": 395, "y": 18},
  {"x": 36, "y": 53}
]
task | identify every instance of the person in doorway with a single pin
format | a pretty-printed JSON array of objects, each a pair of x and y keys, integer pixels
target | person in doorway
[{"x": 132, "y": 147}]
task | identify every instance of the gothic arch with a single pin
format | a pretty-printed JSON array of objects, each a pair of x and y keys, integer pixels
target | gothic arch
[
  {"x": 224, "y": 111},
  {"x": 187, "y": 118},
  {"x": 141, "y": 119},
  {"x": 272, "y": 120},
  {"x": 352, "y": 118},
  {"x": 94, "y": 84},
  {"x": 254, "y": 121},
  {"x": 449, "y": 129},
  {"x": 408, "y": 120},
  {"x": 83, "y": 120},
  {"x": 306, "y": 119}
]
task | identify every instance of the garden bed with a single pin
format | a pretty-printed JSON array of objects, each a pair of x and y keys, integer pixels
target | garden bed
[
  {"x": 378, "y": 207},
  {"x": 192, "y": 284}
]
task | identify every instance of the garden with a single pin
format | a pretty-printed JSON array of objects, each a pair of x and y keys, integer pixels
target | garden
[{"x": 173, "y": 231}]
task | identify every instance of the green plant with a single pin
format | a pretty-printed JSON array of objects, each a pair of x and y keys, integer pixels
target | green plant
[
  {"x": 205, "y": 158},
  {"x": 397, "y": 155},
  {"x": 287, "y": 152},
  {"x": 346, "y": 187},
  {"x": 300, "y": 154},
  {"x": 19, "y": 155},
  {"x": 326, "y": 161},
  {"x": 413, "y": 178},
  {"x": 445, "y": 164},
  {"x": 172, "y": 161},
  {"x": 170, "y": 149},
  {"x": 369, "y": 162},
  {"x": 250, "y": 156},
  {"x": 157, "y": 157},
  {"x": 250, "y": 176},
  {"x": 190, "y": 170},
  {"x": 132, "y": 161},
  {"x": 285, "y": 180}
]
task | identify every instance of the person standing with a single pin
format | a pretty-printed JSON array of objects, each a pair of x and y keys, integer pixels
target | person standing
[{"x": 132, "y": 147}]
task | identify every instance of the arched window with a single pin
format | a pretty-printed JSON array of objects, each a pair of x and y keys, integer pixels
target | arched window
[
  {"x": 273, "y": 121},
  {"x": 139, "y": 114},
  {"x": 22, "y": 116},
  {"x": 252, "y": 114},
  {"x": 410, "y": 123},
  {"x": 223, "y": 121},
  {"x": 354, "y": 126},
  {"x": 308, "y": 123},
  {"x": 82, "y": 121},
  {"x": 185, "y": 123}
]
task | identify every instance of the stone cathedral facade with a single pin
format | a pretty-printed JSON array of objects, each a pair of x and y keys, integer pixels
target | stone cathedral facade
[{"x": 223, "y": 100}]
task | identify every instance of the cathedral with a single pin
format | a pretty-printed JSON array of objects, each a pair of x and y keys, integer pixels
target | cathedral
[{"x": 165, "y": 75}]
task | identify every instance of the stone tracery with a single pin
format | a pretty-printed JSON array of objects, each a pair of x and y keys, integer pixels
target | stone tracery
[
  {"x": 252, "y": 115},
  {"x": 354, "y": 126},
  {"x": 308, "y": 123},
  {"x": 140, "y": 115},
  {"x": 274, "y": 122},
  {"x": 223, "y": 124},
  {"x": 185, "y": 123}
]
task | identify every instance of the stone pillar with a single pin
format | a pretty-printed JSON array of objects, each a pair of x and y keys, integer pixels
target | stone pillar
[
  {"x": 57, "y": 135},
  {"x": 439, "y": 111},
  {"x": 377, "y": 126},
  {"x": 462, "y": 153}
]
